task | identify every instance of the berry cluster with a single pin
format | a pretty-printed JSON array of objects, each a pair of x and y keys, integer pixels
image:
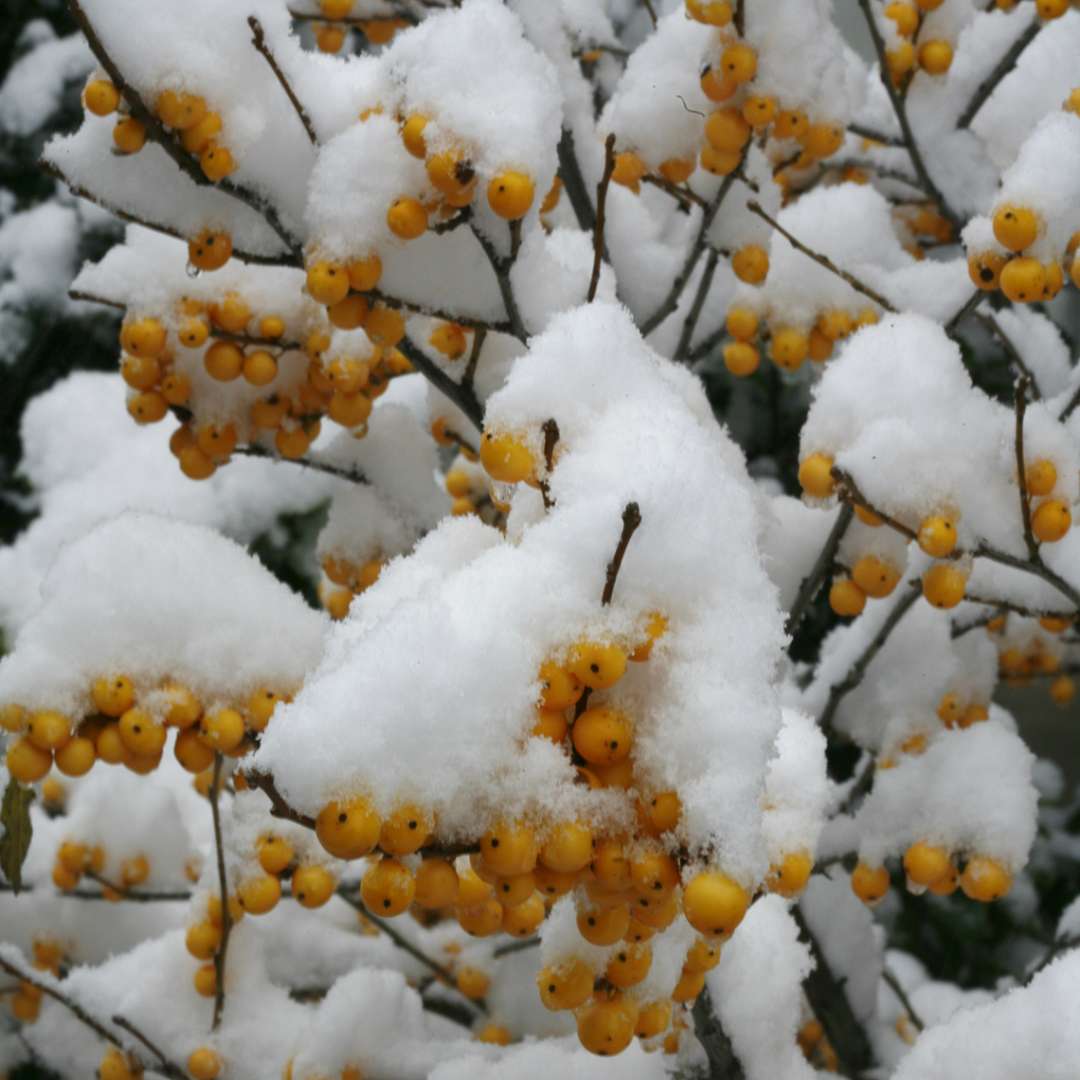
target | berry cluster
[
  {"x": 915, "y": 49},
  {"x": 330, "y": 36}
]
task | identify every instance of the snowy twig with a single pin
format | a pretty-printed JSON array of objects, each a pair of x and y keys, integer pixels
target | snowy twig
[
  {"x": 570, "y": 171},
  {"x": 671, "y": 301},
  {"x": 502, "y": 266},
  {"x": 258, "y": 39},
  {"x": 848, "y": 491},
  {"x": 1070, "y": 406},
  {"x": 960, "y": 629},
  {"x": 468, "y": 321},
  {"x": 442, "y": 973},
  {"x": 1057, "y": 947},
  {"x": 464, "y": 397},
  {"x": 1035, "y": 566},
  {"x": 820, "y": 259},
  {"x": 166, "y": 230},
  {"x": 689, "y": 325},
  {"x": 164, "y": 1065},
  {"x": 155, "y": 130},
  {"x": 223, "y": 890},
  {"x": 650, "y": 9},
  {"x": 1006, "y": 64},
  {"x": 631, "y": 519},
  {"x": 808, "y": 589},
  {"x": 474, "y": 358},
  {"x": 858, "y": 789},
  {"x": 1017, "y": 609},
  {"x": 279, "y": 808},
  {"x": 858, "y": 670},
  {"x": 684, "y": 195},
  {"x": 829, "y": 1002},
  {"x": 354, "y": 476},
  {"x": 1011, "y": 351},
  {"x": 601, "y": 206},
  {"x": 723, "y": 1064},
  {"x": 551, "y": 440},
  {"x": 93, "y": 298},
  {"x": 874, "y": 136},
  {"x": 897, "y": 988},
  {"x": 969, "y": 305},
  {"x": 900, "y": 109},
  {"x": 517, "y": 946},
  {"x": 160, "y": 897},
  {"x": 1021, "y": 468}
]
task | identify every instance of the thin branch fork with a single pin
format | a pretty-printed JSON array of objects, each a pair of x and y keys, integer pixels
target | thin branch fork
[
  {"x": 631, "y": 519},
  {"x": 163, "y": 1065},
  {"x": 501, "y": 266},
  {"x": 1006, "y": 64},
  {"x": 354, "y": 476},
  {"x": 822, "y": 260},
  {"x": 849, "y": 492},
  {"x": 156, "y": 131},
  {"x": 601, "y": 215},
  {"x": 723, "y": 1064},
  {"x": 926, "y": 181},
  {"x": 685, "y": 195},
  {"x": 997, "y": 330},
  {"x": 682, "y": 350},
  {"x": 810, "y": 585},
  {"x": 464, "y": 397},
  {"x": 258, "y": 39}
]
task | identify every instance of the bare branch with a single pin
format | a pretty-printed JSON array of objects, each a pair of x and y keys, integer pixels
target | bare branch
[
  {"x": 570, "y": 171},
  {"x": 819, "y": 571},
  {"x": 354, "y": 476},
  {"x": 502, "y": 266},
  {"x": 682, "y": 349},
  {"x": 897, "y": 988},
  {"x": 258, "y": 39},
  {"x": 223, "y": 890},
  {"x": 1006, "y": 64},
  {"x": 822, "y": 260},
  {"x": 1021, "y": 469},
  {"x": 631, "y": 519},
  {"x": 601, "y": 206},
  {"x": 464, "y": 397},
  {"x": 723, "y": 1064}
]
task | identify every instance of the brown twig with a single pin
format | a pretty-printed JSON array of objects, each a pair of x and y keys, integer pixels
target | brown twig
[
  {"x": 601, "y": 206},
  {"x": 808, "y": 589},
  {"x": 874, "y": 136},
  {"x": 551, "y": 439},
  {"x": 829, "y": 1001},
  {"x": 697, "y": 248},
  {"x": 682, "y": 349},
  {"x": 684, "y": 195},
  {"x": 1006, "y": 64},
  {"x": 164, "y": 1065},
  {"x": 442, "y": 973},
  {"x": 574, "y": 183},
  {"x": 822, "y": 260},
  {"x": 1021, "y": 469},
  {"x": 848, "y": 491},
  {"x": 469, "y": 375},
  {"x": 155, "y": 131},
  {"x": 1057, "y": 947},
  {"x": 354, "y": 476},
  {"x": 258, "y": 39},
  {"x": 501, "y": 266},
  {"x": 900, "y": 109},
  {"x": 516, "y": 946},
  {"x": 223, "y": 890},
  {"x": 464, "y": 397},
  {"x": 279, "y": 808},
  {"x": 166, "y": 230},
  {"x": 651, "y": 10},
  {"x": 468, "y": 321},
  {"x": 723, "y": 1064},
  {"x": 631, "y": 519},
  {"x": 857, "y": 671},
  {"x": 894, "y": 984},
  {"x": 126, "y": 895},
  {"x": 969, "y": 305},
  {"x": 1070, "y": 406},
  {"x": 997, "y": 330}
]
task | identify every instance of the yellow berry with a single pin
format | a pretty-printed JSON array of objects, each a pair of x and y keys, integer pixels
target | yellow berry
[
  {"x": 926, "y": 863},
  {"x": 473, "y": 982},
  {"x": 690, "y": 984},
  {"x": 129, "y": 135},
  {"x": 789, "y": 347},
  {"x": 716, "y": 86},
  {"x": 1051, "y": 520},
  {"x": 568, "y": 847},
  {"x": 935, "y": 57},
  {"x": 905, "y": 16},
  {"x": 481, "y": 919},
  {"x": 509, "y": 849},
  {"x": 26, "y": 762},
  {"x": 76, "y": 757},
  {"x": 436, "y": 884},
  {"x": 48, "y": 730},
  {"x": 944, "y": 584},
  {"x": 144, "y": 338},
  {"x": 510, "y": 194},
  {"x": 741, "y": 358},
  {"x": 985, "y": 879},
  {"x": 653, "y": 1019},
  {"x": 327, "y": 282},
  {"x": 312, "y": 886},
  {"x": 348, "y": 830},
  {"x": 846, "y": 598},
  {"x": 822, "y": 140},
  {"x": 603, "y": 926},
  {"x": 559, "y": 688},
  {"x": 222, "y": 729},
  {"x": 387, "y": 887},
  {"x": 1062, "y": 690},
  {"x": 710, "y": 12},
  {"x": 216, "y": 163},
  {"x": 790, "y": 875},
  {"x": 603, "y": 735},
  {"x": 739, "y": 62},
  {"x": 1016, "y": 227},
  {"x": 412, "y": 135},
  {"x": 210, "y": 250},
  {"x": 364, "y": 273},
  {"x": 223, "y": 361},
  {"x": 506, "y": 458},
  {"x": 791, "y": 124},
  {"x": 606, "y": 1025},
  {"x": 206, "y": 980},
  {"x": 759, "y": 111},
  {"x": 703, "y": 955},
  {"x": 660, "y": 813},
  {"x": 258, "y": 895},
  {"x": 875, "y": 576},
  {"x": 727, "y": 130},
  {"x": 714, "y": 904},
  {"x": 100, "y": 97},
  {"x": 985, "y": 269},
  {"x": 815, "y": 475},
  {"x": 204, "y": 1064},
  {"x": 275, "y": 853},
  {"x": 522, "y": 919},
  {"x": 406, "y": 830},
  {"x": 113, "y": 695},
  {"x": 450, "y": 340},
  {"x": 566, "y": 985},
  {"x": 407, "y": 218},
  {"x": 628, "y": 965},
  {"x": 937, "y": 536},
  {"x": 869, "y": 883},
  {"x": 598, "y": 665},
  {"x": 751, "y": 264}
]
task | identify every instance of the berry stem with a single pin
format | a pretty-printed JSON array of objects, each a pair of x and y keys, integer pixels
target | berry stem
[
  {"x": 894, "y": 984},
  {"x": 631, "y": 519}
]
